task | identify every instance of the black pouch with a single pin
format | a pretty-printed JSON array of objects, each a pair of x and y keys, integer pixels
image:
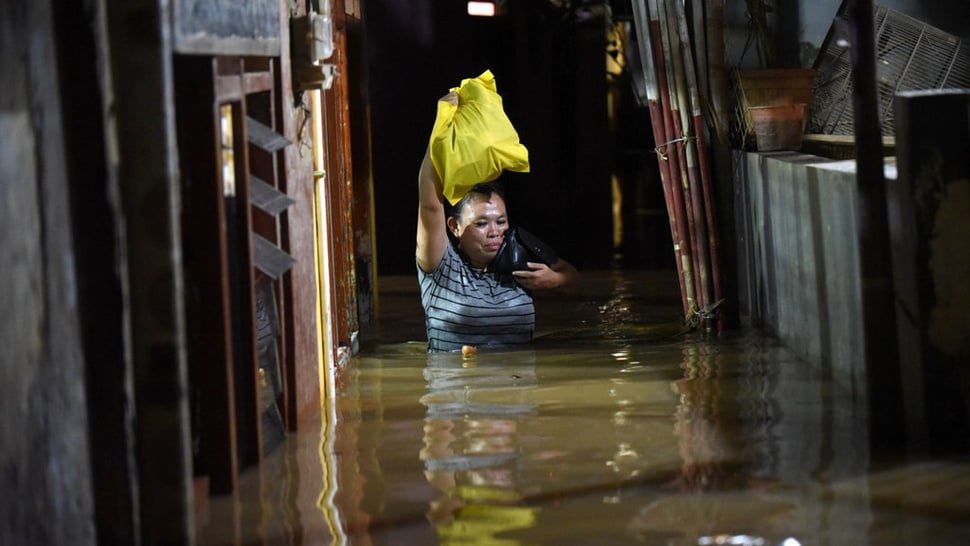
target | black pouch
[{"x": 519, "y": 247}]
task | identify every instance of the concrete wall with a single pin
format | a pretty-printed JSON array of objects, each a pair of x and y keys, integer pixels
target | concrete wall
[
  {"x": 798, "y": 257},
  {"x": 799, "y": 276},
  {"x": 799, "y": 273}
]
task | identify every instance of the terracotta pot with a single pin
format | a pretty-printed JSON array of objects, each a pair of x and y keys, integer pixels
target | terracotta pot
[{"x": 779, "y": 127}]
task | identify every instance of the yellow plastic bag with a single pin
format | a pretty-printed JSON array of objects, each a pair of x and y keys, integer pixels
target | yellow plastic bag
[{"x": 474, "y": 141}]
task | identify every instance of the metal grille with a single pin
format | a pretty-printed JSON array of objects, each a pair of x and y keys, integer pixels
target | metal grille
[{"x": 910, "y": 55}]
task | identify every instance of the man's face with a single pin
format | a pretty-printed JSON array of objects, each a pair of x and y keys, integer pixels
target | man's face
[{"x": 481, "y": 229}]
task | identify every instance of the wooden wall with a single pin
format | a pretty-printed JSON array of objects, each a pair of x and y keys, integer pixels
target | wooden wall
[{"x": 42, "y": 397}]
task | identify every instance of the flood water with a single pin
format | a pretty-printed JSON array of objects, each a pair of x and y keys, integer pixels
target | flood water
[{"x": 616, "y": 427}]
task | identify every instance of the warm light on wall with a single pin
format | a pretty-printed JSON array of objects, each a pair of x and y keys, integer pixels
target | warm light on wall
[{"x": 481, "y": 9}]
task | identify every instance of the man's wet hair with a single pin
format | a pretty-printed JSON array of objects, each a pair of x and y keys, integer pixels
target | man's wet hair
[{"x": 482, "y": 189}]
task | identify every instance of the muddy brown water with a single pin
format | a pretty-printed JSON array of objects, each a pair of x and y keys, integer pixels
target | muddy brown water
[{"x": 615, "y": 427}]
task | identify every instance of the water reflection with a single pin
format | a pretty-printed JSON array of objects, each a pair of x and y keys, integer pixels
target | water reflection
[
  {"x": 619, "y": 435},
  {"x": 471, "y": 444},
  {"x": 658, "y": 431},
  {"x": 701, "y": 421},
  {"x": 714, "y": 499}
]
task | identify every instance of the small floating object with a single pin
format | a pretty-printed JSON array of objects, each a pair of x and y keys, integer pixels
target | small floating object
[{"x": 469, "y": 350}]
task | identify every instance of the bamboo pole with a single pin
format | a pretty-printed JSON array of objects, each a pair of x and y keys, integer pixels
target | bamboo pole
[
  {"x": 672, "y": 156},
  {"x": 689, "y": 175},
  {"x": 699, "y": 142},
  {"x": 652, "y": 89},
  {"x": 698, "y": 37}
]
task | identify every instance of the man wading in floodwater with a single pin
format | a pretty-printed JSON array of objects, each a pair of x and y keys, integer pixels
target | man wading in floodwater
[{"x": 466, "y": 305}]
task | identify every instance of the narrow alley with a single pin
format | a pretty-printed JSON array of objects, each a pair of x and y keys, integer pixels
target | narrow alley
[{"x": 234, "y": 235}]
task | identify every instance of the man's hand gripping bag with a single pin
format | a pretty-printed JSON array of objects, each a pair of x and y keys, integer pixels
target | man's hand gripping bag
[{"x": 474, "y": 141}]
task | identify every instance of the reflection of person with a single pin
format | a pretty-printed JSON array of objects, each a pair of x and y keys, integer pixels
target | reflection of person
[
  {"x": 472, "y": 446},
  {"x": 464, "y": 303}
]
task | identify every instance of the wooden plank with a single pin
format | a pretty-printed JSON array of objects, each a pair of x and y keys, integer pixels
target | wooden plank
[
  {"x": 236, "y": 86},
  {"x": 365, "y": 245},
  {"x": 340, "y": 248},
  {"x": 205, "y": 260},
  {"x": 256, "y": 82},
  {"x": 839, "y": 146},
  {"x": 267, "y": 198},
  {"x": 227, "y": 27},
  {"x": 269, "y": 258},
  {"x": 228, "y": 88},
  {"x": 265, "y": 137},
  {"x": 339, "y": 188},
  {"x": 269, "y": 167},
  {"x": 248, "y": 425}
]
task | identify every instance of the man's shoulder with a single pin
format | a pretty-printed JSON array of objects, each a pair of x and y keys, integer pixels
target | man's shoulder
[{"x": 450, "y": 261}]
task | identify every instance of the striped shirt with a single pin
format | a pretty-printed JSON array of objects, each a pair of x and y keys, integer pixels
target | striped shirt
[{"x": 468, "y": 306}]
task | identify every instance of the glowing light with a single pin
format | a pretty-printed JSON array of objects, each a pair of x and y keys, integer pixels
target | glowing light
[
  {"x": 481, "y": 9},
  {"x": 732, "y": 540}
]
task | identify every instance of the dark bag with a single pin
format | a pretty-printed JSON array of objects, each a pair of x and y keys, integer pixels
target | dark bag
[{"x": 519, "y": 247}]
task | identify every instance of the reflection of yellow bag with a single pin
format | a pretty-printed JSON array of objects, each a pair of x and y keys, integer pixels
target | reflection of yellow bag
[{"x": 474, "y": 141}]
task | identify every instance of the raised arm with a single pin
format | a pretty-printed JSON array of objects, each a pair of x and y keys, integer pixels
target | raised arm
[{"x": 432, "y": 238}]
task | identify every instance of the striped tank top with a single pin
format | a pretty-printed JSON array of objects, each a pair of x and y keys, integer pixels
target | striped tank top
[{"x": 467, "y": 306}]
